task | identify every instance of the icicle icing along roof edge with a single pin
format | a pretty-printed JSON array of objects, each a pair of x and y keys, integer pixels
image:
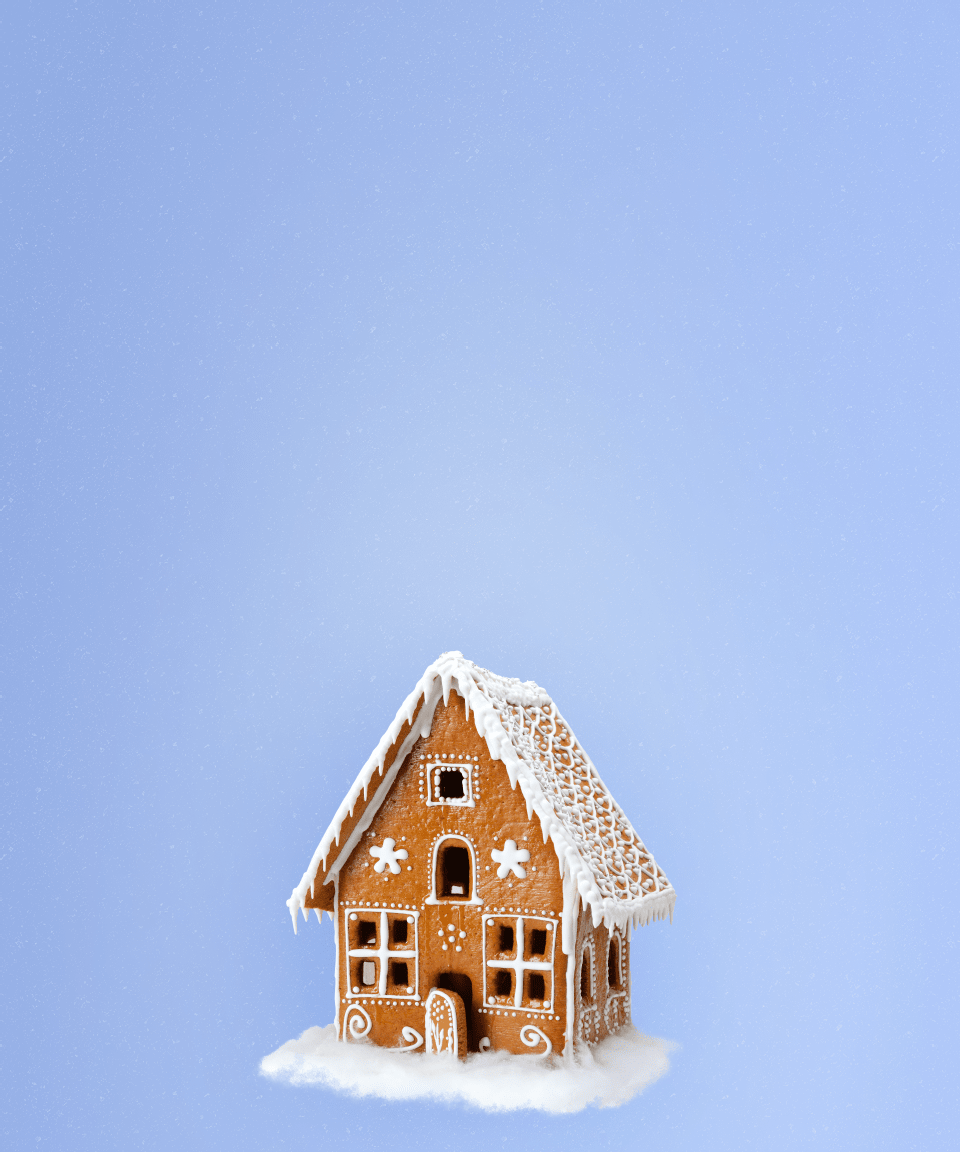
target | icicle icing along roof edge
[{"x": 616, "y": 876}]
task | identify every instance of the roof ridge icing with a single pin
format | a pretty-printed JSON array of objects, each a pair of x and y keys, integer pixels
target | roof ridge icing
[{"x": 598, "y": 850}]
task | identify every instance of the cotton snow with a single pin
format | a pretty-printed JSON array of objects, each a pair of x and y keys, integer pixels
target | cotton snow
[{"x": 606, "y": 1075}]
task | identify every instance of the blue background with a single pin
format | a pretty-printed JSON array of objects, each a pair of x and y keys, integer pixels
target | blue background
[{"x": 615, "y": 345}]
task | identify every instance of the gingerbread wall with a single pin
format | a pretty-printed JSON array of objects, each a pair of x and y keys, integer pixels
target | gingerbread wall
[
  {"x": 602, "y": 981},
  {"x": 322, "y": 895},
  {"x": 405, "y": 929}
]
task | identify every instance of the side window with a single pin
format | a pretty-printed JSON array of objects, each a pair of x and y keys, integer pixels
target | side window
[
  {"x": 613, "y": 964},
  {"x": 586, "y": 976}
]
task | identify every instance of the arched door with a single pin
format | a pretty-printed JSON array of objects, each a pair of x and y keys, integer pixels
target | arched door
[
  {"x": 445, "y": 1023},
  {"x": 463, "y": 986}
]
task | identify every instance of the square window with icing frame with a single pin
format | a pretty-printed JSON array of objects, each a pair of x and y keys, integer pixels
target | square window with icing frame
[
  {"x": 383, "y": 952},
  {"x": 451, "y": 783},
  {"x": 518, "y": 961}
]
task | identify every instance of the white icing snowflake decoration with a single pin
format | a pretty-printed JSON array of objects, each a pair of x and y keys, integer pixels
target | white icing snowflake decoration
[
  {"x": 510, "y": 859},
  {"x": 389, "y": 855}
]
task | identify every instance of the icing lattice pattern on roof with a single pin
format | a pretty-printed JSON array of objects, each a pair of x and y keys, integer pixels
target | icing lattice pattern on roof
[
  {"x": 598, "y": 850},
  {"x": 621, "y": 865}
]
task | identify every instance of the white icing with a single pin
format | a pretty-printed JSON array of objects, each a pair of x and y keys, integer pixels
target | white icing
[
  {"x": 413, "y": 1038},
  {"x": 511, "y": 859},
  {"x": 388, "y": 856},
  {"x": 611, "y": 870},
  {"x": 616, "y": 1011},
  {"x": 356, "y": 1022},
  {"x": 568, "y": 942},
  {"x": 336, "y": 951}
]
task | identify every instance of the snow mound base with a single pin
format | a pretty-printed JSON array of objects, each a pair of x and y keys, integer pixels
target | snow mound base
[{"x": 606, "y": 1075}]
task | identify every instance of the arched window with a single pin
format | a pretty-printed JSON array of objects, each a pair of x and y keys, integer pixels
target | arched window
[{"x": 453, "y": 871}]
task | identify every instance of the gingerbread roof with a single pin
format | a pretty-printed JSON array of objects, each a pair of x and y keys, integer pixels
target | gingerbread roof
[{"x": 598, "y": 850}]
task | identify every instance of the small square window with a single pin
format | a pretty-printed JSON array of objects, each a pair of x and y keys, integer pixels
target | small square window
[
  {"x": 538, "y": 942},
  {"x": 451, "y": 784},
  {"x": 506, "y": 938},
  {"x": 399, "y": 972},
  {"x": 368, "y": 973},
  {"x": 367, "y": 932},
  {"x": 400, "y": 931},
  {"x": 503, "y": 983},
  {"x": 537, "y": 986}
]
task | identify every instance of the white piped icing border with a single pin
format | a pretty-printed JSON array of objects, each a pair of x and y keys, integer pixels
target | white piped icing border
[{"x": 601, "y": 857}]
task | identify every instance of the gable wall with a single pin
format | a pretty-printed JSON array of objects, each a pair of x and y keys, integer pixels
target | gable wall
[
  {"x": 500, "y": 814},
  {"x": 322, "y": 896}
]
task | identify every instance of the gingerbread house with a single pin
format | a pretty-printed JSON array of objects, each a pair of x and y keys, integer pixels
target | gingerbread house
[{"x": 482, "y": 880}]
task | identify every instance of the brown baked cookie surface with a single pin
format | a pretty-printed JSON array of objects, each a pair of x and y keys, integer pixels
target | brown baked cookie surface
[{"x": 472, "y": 894}]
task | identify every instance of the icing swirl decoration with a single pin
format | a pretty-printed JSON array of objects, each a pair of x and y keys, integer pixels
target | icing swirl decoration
[
  {"x": 356, "y": 1022},
  {"x": 533, "y": 1036}
]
